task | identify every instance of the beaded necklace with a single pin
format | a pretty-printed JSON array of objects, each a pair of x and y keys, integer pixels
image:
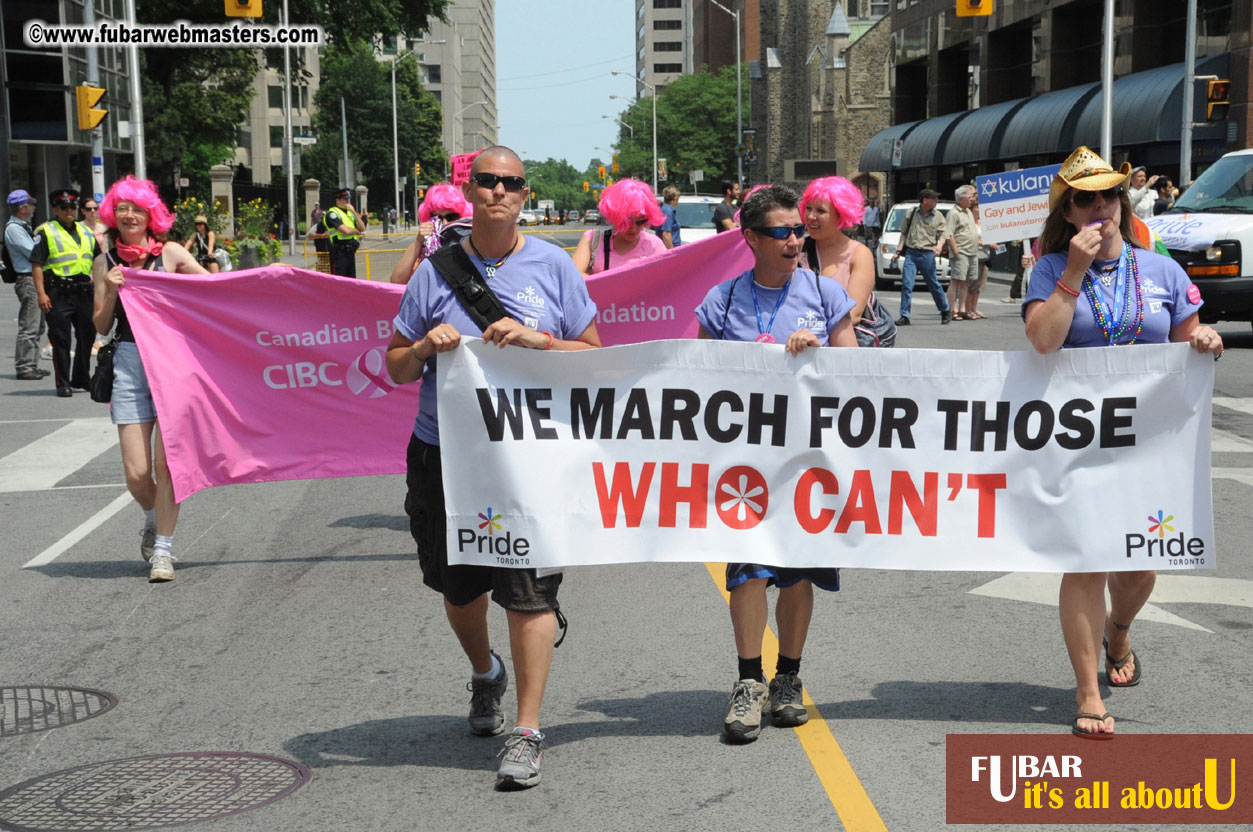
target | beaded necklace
[
  {"x": 1129, "y": 317},
  {"x": 490, "y": 268}
]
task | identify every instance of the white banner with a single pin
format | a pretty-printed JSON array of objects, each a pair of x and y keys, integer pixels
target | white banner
[{"x": 1085, "y": 460}]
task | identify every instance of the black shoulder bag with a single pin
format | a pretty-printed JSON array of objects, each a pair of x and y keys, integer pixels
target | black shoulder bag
[
  {"x": 476, "y": 297},
  {"x": 100, "y": 387}
]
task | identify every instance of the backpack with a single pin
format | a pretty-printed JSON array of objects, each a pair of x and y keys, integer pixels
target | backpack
[
  {"x": 600, "y": 239},
  {"x": 876, "y": 327}
]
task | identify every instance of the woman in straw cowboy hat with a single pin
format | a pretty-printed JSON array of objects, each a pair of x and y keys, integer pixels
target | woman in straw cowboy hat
[
  {"x": 1094, "y": 286},
  {"x": 202, "y": 243}
]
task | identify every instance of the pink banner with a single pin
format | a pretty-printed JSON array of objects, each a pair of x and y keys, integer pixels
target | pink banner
[
  {"x": 461, "y": 166},
  {"x": 278, "y": 373}
]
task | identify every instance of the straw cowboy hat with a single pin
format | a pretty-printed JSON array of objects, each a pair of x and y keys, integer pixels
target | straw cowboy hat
[
  {"x": 1084, "y": 170},
  {"x": 201, "y": 218}
]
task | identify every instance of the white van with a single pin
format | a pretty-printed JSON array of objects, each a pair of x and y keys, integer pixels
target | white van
[
  {"x": 695, "y": 213},
  {"x": 1207, "y": 232},
  {"x": 887, "y": 261}
]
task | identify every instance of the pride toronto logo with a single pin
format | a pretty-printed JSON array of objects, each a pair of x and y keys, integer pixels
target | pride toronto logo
[
  {"x": 504, "y": 548},
  {"x": 1163, "y": 540}
]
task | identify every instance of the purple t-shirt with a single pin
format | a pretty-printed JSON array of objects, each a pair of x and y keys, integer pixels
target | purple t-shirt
[
  {"x": 538, "y": 286},
  {"x": 1169, "y": 298},
  {"x": 814, "y": 303}
]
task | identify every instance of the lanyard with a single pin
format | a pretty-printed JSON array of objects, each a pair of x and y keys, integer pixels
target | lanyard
[{"x": 765, "y": 329}]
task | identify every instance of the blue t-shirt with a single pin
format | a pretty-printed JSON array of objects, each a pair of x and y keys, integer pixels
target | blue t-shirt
[
  {"x": 671, "y": 224},
  {"x": 1169, "y": 298},
  {"x": 538, "y": 286},
  {"x": 814, "y": 303}
]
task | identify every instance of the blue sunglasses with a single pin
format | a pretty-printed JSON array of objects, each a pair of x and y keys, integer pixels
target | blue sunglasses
[{"x": 782, "y": 232}]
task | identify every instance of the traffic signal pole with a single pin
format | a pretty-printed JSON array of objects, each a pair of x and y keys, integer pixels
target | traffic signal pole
[
  {"x": 97, "y": 135},
  {"x": 1189, "y": 84},
  {"x": 137, "y": 101}
]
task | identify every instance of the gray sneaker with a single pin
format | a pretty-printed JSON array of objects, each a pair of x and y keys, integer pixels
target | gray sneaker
[
  {"x": 162, "y": 568},
  {"x": 487, "y": 719},
  {"x": 743, "y": 722},
  {"x": 786, "y": 708},
  {"x": 521, "y": 756},
  {"x": 147, "y": 541}
]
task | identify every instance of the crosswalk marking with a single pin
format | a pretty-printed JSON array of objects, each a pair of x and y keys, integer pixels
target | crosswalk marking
[
  {"x": 1226, "y": 442},
  {"x": 1244, "y": 475},
  {"x": 1243, "y": 405},
  {"x": 43, "y": 463}
]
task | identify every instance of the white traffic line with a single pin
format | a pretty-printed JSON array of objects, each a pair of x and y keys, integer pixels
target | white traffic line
[
  {"x": 1244, "y": 475},
  {"x": 1244, "y": 405},
  {"x": 87, "y": 527},
  {"x": 43, "y": 463},
  {"x": 1226, "y": 442}
]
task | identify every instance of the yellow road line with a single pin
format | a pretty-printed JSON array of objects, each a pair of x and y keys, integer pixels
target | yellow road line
[{"x": 835, "y": 772}]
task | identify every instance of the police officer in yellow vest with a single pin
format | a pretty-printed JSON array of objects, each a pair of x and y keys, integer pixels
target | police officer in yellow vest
[
  {"x": 61, "y": 266},
  {"x": 345, "y": 227}
]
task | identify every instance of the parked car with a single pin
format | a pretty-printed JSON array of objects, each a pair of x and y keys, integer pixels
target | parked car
[
  {"x": 591, "y": 217},
  {"x": 1208, "y": 232},
  {"x": 572, "y": 216},
  {"x": 889, "y": 260},
  {"x": 695, "y": 213},
  {"x": 527, "y": 217}
]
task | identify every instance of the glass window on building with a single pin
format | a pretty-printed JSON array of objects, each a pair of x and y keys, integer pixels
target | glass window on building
[
  {"x": 667, "y": 25},
  {"x": 276, "y": 136},
  {"x": 434, "y": 74},
  {"x": 667, "y": 46},
  {"x": 276, "y": 96},
  {"x": 667, "y": 4},
  {"x": 660, "y": 68}
]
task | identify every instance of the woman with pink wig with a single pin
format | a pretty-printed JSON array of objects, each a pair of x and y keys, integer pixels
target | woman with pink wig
[
  {"x": 138, "y": 221},
  {"x": 444, "y": 204},
  {"x": 630, "y": 207},
  {"x": 830, "y": 205}
]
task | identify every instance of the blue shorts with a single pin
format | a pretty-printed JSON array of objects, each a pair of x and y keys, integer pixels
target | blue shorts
[
  {"x": 783, "y": 577},
  {"x": 132, "y": 400}
]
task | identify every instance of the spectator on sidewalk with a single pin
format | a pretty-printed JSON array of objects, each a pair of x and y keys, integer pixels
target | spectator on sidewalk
[
  {"x": 921, "y": 242},
  {"x": 19, "y": 242},
  {"x": 963, "y": 251}
]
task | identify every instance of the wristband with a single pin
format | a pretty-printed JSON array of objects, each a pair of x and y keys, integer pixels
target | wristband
[
  {"x": 1074, "y": 293},
  {"x": 550, "y": 340},
  {"x": 413, "y": 350}
]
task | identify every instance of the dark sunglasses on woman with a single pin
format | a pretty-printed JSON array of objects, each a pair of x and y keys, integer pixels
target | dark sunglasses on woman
[
  {"x": 782, "y": 232},
  {"x": 489, "y": 180},
  {"x": 1085, "y": 198},
  {"x": 451, "y": 217}
]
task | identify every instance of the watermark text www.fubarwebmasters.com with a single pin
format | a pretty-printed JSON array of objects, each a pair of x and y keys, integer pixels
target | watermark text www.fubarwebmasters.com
[{"x": 40, "y": 34}]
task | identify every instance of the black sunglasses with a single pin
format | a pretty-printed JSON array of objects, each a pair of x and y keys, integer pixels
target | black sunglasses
[
  {"x": 782, "y": 232},
  {"x": 91, "y": 207},
  {"x": 449, "y": 217},
  {"x": 1085, "y": 198},
  {"x": 490, "y": 180}
]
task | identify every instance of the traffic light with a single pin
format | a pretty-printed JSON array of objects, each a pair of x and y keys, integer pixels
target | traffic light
[
  {"x": 421, "y": 193},
  {"x": 616, "y": 169},
  {"x": 89, "y": 116},
  {"x": 1217, "y": 99},
  {"x": 974, "y": 8},
  {"x": 417, "y": 168},
  {"x": 243, "y": 8},
  {"x": 587, "y": 186},
  {"x": 600, "y": 171}
]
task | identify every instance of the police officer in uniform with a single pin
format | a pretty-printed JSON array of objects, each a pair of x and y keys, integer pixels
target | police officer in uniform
[
  {"x": 345, "y": 228},
  {"x": 61, "y": 265}
]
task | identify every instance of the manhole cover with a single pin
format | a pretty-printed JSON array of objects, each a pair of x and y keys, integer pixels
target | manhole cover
[
  {"x": 149, "y": 792},
  {"x": 25, "y": 710}
]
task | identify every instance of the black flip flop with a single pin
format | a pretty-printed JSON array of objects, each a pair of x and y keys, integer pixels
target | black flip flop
[
  {"x": 1118, "y": 665},
  {"x": 1091, "y": 735}
]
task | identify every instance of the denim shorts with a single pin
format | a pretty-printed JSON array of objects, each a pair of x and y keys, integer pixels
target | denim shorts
[{"x": 132, "y": 400}]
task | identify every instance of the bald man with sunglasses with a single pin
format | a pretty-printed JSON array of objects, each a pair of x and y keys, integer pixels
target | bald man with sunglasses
[{"x": 547, "y": 308}]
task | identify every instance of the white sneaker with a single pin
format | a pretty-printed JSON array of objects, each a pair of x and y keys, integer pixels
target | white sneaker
[
  {"x": 147, "y": 541},
  {"x": 162, "y": 568},
  {"x": 45, "y": 353}
]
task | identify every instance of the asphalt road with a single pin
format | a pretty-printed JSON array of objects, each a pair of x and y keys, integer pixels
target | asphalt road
[{"x": 297, "y": 627}]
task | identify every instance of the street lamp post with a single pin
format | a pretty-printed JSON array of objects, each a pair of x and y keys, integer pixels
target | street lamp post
[
  {"x": 739, "y": 97},
  {"x": 395, "y": 134},
  {"x": 456, "y": 120},
  {"x": 654, "y": 89},
  {"x": 623, "y": 123}
]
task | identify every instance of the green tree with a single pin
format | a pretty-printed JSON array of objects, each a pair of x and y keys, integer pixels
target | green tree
[
  {"x": 195, "y": 98},
  {"x": 353, "y": 74},
  {"x": 695, "y": 128},
  {"x": 560, "y": 181}
]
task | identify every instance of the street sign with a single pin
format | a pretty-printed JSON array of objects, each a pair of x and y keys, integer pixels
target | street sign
[
  {"x": 304, "y": 139},
  {"x": 898, "y": 148},
  {"x": 183, "y": 182},
  {"x": 697, "y": 176},
  {"x": 741, "y": 150}
]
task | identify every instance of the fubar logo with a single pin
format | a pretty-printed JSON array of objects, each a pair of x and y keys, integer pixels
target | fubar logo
[
  {"x": 1163, "y": 541},
  {"x": 487, "y": 539}
]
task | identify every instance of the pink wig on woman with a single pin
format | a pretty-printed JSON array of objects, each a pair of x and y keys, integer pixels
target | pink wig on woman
[
  {"x": 627, "y": 199},
  {"x": 143, "y": 193},
  {"x": 843, "y": 196},
  {"x": 444, "y": 199}
]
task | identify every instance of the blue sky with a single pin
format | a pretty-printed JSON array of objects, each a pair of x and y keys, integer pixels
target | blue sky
[{"x": 553, "y": 59}]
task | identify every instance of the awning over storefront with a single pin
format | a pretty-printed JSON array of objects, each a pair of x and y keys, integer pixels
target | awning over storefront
[
  {"x": 878, "y": 152},
  {"x": 978, "y": 136},
  {"x": 926, "y": 141},
  {"x": 1147, "y": 110}
]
